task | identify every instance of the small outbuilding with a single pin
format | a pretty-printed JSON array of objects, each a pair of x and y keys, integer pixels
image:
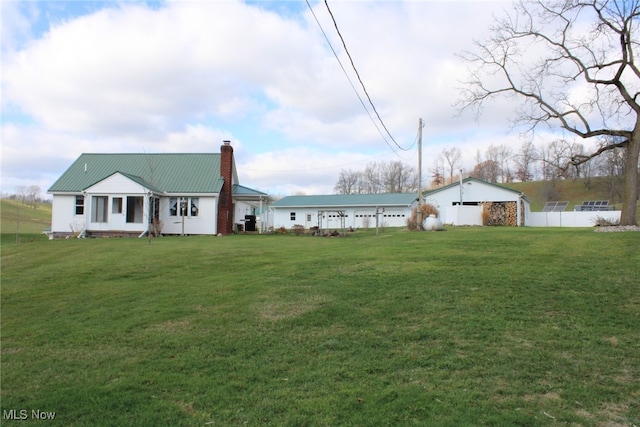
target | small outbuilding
[{"x": 473, "y": 201}]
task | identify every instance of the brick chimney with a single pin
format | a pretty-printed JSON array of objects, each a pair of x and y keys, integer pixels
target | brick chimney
[{"x": 225, "y": 204}]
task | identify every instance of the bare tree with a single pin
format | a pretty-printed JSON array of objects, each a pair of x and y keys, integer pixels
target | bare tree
[
  {"x": 437, "y": 172},
  {"x": 487, "y": 170},
  {"x": 524, "y": 161},
  {"x": 504, "y": 153},
  {"x": 496, "y": 166},
  {"x": 21, "y": 193},
  {"x": 583, "y": 78},
  {"x": 371, "y": 179},
  {"x": 347, "y": 182},
  {"x": 579, "y": 168},
  {"x": 33, "y": 196},
  {"x": 556, "y": 155},
  {"x": 587, "y": 170},
  {"x": 398, "y": 177},
  {"x": 611, "y": 165},
  {"x": 378, "y": 177},
  {"x": 451, "y": 158}
]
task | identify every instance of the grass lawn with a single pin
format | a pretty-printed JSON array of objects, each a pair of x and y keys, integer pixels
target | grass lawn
[{"x": 471, "y": 326}]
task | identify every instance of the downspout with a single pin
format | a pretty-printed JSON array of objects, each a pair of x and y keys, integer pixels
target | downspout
[
  {"x": 147, "y": 202},
  {"x": 261, "y": 214},
  {"x": 459, "y": 211},
  {"x": 87, "y": 215}
]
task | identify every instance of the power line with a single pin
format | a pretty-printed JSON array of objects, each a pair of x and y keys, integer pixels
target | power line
[
  {"x": 335, "y": 54},
  {"x": 335, "y": 24},
  {"x": 348, "y": 78}
]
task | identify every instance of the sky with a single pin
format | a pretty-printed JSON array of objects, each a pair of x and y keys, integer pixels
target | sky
[{"x": 183, "y": 76}]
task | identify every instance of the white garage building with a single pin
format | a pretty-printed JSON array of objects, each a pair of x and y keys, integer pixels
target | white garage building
[{"x": 338, "y": 211}]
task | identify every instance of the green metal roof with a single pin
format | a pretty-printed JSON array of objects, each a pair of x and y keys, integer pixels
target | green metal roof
[
  {"x": 241, "y": 190},
  {"x": 173, "y": 173},
  {"x": 342, "y": 200}
]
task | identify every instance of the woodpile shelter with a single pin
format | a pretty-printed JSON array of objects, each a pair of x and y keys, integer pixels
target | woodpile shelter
[{"x": 473, "y": 201}]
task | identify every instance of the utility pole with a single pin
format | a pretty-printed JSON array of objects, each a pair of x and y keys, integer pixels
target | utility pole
[{"x": 419, "y": 213}]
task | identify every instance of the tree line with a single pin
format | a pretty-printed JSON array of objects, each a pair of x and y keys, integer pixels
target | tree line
[
  {"x": 545, "y": 162},
  {"x": 28, "y": 195},
  {"x": 497, "y": 164},
  {"x": 378, "y": 177}
]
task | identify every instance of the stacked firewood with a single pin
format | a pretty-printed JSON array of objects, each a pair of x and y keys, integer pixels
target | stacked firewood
[
  {"x": 512, "y": 214},
  {"x": 494, "y": 214}
]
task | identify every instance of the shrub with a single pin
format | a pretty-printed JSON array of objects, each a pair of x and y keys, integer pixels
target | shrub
[
  {"x": 298, "y": 229},
  {"x": 604, "y": 222},
  {"x": 426, "y": 209}
]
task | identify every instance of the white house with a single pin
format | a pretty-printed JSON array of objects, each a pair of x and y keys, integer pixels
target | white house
[
  {"x": 134, "y": 194},
  {"x": 463, "y": 203},
  {"x": 338, "y": 211}
]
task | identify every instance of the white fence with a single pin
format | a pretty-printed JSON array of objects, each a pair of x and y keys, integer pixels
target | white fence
[
  {"x": 472, "y": 215},
  {"x": 570, "y": 219},
  {"x": 462, "y": 215}
]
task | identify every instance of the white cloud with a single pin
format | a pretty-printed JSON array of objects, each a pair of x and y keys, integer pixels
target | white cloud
[{"x": 186, "y": 75}]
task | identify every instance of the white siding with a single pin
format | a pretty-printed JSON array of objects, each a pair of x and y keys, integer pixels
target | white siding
[
  {"x": 243, "y": 208},
  {"x": 472, "y": 191},
  {"x": 204, "y": 223},
  {"x": 356, "y": 217},
  {"x": 63, "y": 216},
  {"x": 116, "y": 184}
]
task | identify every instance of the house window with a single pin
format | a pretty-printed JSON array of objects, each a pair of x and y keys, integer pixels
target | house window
[
  {"x": 184, "y": 206},
  {"x": 173, "y": 206},
  {"x": 308, "y": 217},
  {"x": 99, "y": 208},
  {"x": 134, "y": 209},
  {"x": 195, "y": 206},
  {"x": 116, "y": 205},
  {"x": 79, "y": 205},
  {"x": 293, "y": 216}
]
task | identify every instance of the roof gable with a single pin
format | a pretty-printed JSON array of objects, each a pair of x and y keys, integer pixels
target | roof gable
[
  {"x": 173, "y": 172},
  {"x": 472, "y": 179},
  {"x": 341, "y": 200},
  {"x": 124, "y": 182}
]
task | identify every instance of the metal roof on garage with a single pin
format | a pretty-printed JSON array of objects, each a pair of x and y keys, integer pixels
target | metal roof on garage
[{"x": 346, "y": 200}]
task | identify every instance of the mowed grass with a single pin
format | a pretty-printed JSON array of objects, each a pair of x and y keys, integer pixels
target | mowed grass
[{"x": 470, "y": 326}]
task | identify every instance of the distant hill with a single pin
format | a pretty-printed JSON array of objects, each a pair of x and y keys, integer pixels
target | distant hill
[
  {"x": 14, "y": 215},
  {"x": 575, "y": 191}
]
